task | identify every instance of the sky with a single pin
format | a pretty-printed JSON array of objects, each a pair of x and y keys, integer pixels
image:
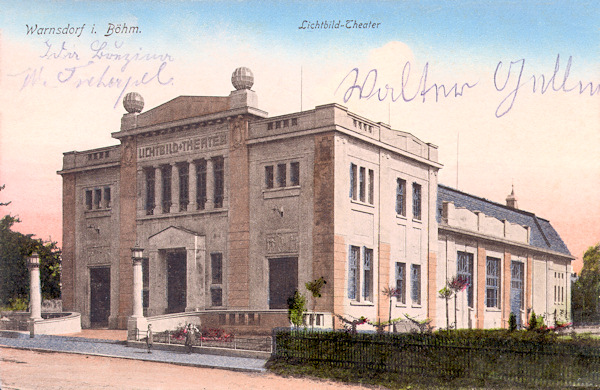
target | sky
[{"x": 508, "y": 90}]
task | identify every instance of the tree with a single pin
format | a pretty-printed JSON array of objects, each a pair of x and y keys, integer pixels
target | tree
[
  {"x": 15, "y": 247},
  {"x": 586, "y": 290},
  {"x": 296, "y": 308}
]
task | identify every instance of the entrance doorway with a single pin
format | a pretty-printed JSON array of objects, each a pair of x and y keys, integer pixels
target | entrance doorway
[
  {"x": 176, "y": 281},
  {"x": 99, "y": 296},
  {"x": 283, "y": 281}
]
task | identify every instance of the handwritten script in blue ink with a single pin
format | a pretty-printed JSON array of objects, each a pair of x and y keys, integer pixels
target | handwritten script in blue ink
[
  {"x": 102, "y": 65},
  {"x": 367, "y": 86}
]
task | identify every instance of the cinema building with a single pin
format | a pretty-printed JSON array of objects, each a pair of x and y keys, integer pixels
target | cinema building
[{"x": 235, "y": 210}]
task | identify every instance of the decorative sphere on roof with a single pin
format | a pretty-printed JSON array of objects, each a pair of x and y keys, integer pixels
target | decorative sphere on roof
[
  {"x": 133, "y": 102},
  {"x": 242, "y": 78}
]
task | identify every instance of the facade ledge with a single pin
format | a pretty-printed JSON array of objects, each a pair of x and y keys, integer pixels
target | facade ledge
[
  {"x": 182, "y": 214},
  {"x": 357, "y": 303},
  {"x": 285, "y": 192},
  {"x": 443, "y": 227}
]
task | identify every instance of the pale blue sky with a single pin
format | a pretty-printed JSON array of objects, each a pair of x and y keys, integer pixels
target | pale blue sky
[{"x": 532, "y": 29}]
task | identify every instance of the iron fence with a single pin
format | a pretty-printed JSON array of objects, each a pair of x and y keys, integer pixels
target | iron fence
[
  {"x": 474, "y": 361},
  {"x": 260, "y": 344}
]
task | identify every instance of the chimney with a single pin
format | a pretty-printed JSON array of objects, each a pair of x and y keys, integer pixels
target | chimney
[{"x": 511, "y": 200}]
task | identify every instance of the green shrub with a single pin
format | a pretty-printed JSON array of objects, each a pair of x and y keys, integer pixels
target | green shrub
[
  {"x": 512, "y": 322},
  {"x": 296, "y": 308}
]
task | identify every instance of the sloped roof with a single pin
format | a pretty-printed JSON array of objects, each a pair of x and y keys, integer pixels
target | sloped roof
[{"x": 542, "y": 236}]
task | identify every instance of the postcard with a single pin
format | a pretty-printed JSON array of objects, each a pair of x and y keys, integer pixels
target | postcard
[{"x": 508, "y": 92}]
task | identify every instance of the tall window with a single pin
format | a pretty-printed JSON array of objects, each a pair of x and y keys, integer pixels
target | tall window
[
  {"x": 201, "y": 184},
  {"x": 516, "y": 280},
  {"x": 269, "y": 176},
  {"x": 88, "y": 199},
  {"x": 281, "y": 173},
  {"x": 353, "y": 262},
  {"x": 492, "y": 282},
  {"x": 216, "y": 290},
  {"x": 97, "y": 198},
  {"x": 295, "y": 174},
  {"x": 464, "y": 269},
  {"x": 415, "y": 280},
  {"x": 416, "y": 201},
  {"x": 361, "y": 184},
  {"x": 401, "y": 283},
  {"x": 184, "y": 186},
  {"x": 371, "y": 185},
  {"x": 216, "y": 266},
  {"x": 106, "y": 198},
  {"x": 368, "y": 274},
  {"x": 353, "y": 182},
  {"x": 401, "y": 197},
  {"x": 219, "y": 177},
  {"x": 166, "y": 188},
  {"x": 150, "y": 182}
]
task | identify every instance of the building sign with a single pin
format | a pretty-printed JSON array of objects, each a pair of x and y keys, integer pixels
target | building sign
[
  {"x": 182, "y": 146},
  {"x": 282, "y": 243}
]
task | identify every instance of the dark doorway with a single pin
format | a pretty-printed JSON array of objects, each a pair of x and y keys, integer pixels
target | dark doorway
[
  {"x": 99, "y": 296},
  {"x": 283, "y": 281},
  {"x": 176, "y": 281}
]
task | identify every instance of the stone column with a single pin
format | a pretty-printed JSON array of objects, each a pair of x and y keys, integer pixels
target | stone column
[
  {"x": 136, "y": 323},
  {"x": 193, "y": 206},
  {"x": 210, "y": 184},
  {"x": 174, "y": 188},
  {"x": 157, "y": 191},
  {"x": 35, "y": 292},
  {"x": 138, "y": 310}
]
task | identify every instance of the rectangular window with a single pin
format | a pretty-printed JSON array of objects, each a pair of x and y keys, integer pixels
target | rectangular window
[
  {"x": 216, "y": 296},
  {"x": 281, "y": 172},
  {"x": 371, "y": 185},
  {"x": 295, "y": 174},
  {"x": 219, "y": 177},
  {"x": 353, "y": 262},
  {"x": 201, "y": 184},
  {"x": 269, "y": 176},
  {"x": 353, "y": 182},
  {"x": 401, "y": 197},
  {"x": 516, "y": 280},
  {"x": 368, "y": 274},
  {"x": 216, "y": 266},
  {"x": 492, "y": 282},
  {"x": 166, "y": 188},
  {"x": 88, "y": 199},
  {"x": 401, "y": 283},
  {"x": 415, "y": 280},
  {"x": 184, "y": 186},
  {"x": 97, "y": 198},
  {"x": 150, "y": 181},
  {"x": 361, "y": 184},
  {"x": 464, "y": 269},
  {"x": 106, "y": 199},
  {"x": 416, "y": 201}
]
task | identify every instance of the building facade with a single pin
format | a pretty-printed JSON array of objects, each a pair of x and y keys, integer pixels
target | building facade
[{"x": 235, "y": 210}]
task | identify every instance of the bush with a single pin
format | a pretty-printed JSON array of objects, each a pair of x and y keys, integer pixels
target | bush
[{"x": 512, "y": 322}]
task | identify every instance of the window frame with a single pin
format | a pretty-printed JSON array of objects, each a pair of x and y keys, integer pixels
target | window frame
[
  {"x": 493, "y": 282},
  {"x": 466, "y": 270},
  {"x": 353, "y": 272},
  {"x": 218, "y": 181},
  {"x": 417, "y": 201},
  {"x": 367, "y": 274},
  {"x": 401, "y": 282},
  {"x": 415, "y": 284},
  {"x": 401, "y": 197}
]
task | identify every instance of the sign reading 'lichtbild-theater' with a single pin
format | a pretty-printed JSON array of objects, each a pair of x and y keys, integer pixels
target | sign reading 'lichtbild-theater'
[{"x": 182, "y": 146}]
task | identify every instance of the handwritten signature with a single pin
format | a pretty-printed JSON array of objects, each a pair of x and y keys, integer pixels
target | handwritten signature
[
  {"x": 89, "y": 70},
  {"x": 368, "y": 87}
]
